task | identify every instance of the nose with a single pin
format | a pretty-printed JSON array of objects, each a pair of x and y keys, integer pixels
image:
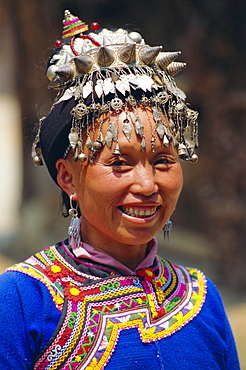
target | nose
[{"x": 144, "y": 180}]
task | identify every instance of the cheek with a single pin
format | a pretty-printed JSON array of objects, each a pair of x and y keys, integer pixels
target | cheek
[
  {"x": 96, "y": 189},
  {"x": 179, "y": 179},
  {"x": 175, "y": 182}
]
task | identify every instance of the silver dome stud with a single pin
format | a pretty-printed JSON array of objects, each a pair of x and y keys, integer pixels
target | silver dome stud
[
  {"x": 175, "y": 67},
  {"x": 83, "y": 63},
  {"x": 127, "y": 54},
  {"x": 105, "y": 56},
  {"x": 148, "y": 54},
  {"x": 165, "y": 58}
]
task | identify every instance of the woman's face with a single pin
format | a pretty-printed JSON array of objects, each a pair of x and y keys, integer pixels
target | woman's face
[{"x": 126, "y": 199}]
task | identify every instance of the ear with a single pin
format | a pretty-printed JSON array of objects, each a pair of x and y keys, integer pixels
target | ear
[{"x": 65, "y": 176}]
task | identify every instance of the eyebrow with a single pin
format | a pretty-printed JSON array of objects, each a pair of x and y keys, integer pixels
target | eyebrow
[
  {"x": 160, "y": 149},
  {"x": 127, "y": 144}
]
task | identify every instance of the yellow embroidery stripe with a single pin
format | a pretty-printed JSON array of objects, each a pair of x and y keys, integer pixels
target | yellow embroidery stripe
[
  {"x": 68, "y": 350},
  {"x": 58, "y": 257},
  {"x": 148, "y": 334},
  {"x": 82, "y": 319},
  {"x": 112, "y": 342},
  {"x": 36, "y": 274}
]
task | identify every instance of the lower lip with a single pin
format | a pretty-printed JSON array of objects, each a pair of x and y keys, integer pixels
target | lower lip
[{"x": 139, "y": 220}]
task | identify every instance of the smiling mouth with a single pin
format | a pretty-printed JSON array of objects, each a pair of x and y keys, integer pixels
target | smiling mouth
[{"x": 133, "y": 212}]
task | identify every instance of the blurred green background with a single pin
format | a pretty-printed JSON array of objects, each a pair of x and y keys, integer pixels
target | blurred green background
[{"x": 210, "y": 220}]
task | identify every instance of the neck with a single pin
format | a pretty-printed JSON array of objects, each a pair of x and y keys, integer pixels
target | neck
[{"x": 129, "y": 255}]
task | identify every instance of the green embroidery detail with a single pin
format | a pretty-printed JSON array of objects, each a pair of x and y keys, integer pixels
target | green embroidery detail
[
  {"x": 72, "y": 320},
  {"x": 110, "y": 286},
  {"x": 172, "y": 303},
  {"x": 50, "y": 254}
]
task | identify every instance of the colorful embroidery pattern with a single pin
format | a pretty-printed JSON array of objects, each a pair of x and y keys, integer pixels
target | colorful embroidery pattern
[{"x": 157, "y": 301}]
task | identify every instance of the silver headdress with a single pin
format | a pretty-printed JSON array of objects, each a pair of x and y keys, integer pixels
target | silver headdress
[{"x": 105, "y": 71}]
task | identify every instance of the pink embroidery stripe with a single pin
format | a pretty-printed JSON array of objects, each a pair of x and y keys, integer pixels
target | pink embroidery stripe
[{"x": 71, "y": 22}]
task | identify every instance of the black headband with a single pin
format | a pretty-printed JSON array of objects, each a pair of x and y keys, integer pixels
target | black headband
[{"x": 54, "y": 134}]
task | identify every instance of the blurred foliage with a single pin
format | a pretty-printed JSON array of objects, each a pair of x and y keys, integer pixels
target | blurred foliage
[{"x": 212, "y": 37}]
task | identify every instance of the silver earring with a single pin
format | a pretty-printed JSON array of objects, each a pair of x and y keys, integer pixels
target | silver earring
[
  {"x": 167, "y": 228},
  {"x": 74, "y": 227}
]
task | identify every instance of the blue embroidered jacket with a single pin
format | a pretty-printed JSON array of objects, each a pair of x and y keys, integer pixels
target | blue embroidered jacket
[{"x": 60, "y": 312}]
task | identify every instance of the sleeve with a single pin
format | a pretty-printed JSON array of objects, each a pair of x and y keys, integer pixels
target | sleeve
[
  {"x": 28, "y": 317},
  {"x": 222, "y": 326}
]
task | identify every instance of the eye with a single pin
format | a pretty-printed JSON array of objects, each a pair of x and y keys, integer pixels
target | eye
[
  {"x": 164, "y": 162},
  {"x": 119, "y": 164}
]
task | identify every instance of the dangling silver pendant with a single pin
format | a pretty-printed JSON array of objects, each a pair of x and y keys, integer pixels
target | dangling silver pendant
[
  {"x": 111, "y": 134},
  {"x": 127, "y": 128},
  {"x": 139, "y": 127},
  {"x": 74, "y": 227},
  {"x": 143, "y": 144},
  {"x": 116, "y": 150},
  {"x": 167, "y": 228},
  {"x": 74, "y": 232}
]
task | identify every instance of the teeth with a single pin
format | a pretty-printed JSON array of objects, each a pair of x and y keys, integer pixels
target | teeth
[{"x": 136, "y": 213}]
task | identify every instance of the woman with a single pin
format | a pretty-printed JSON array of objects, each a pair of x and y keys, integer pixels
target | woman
[{"x": 103, "y": 298}]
